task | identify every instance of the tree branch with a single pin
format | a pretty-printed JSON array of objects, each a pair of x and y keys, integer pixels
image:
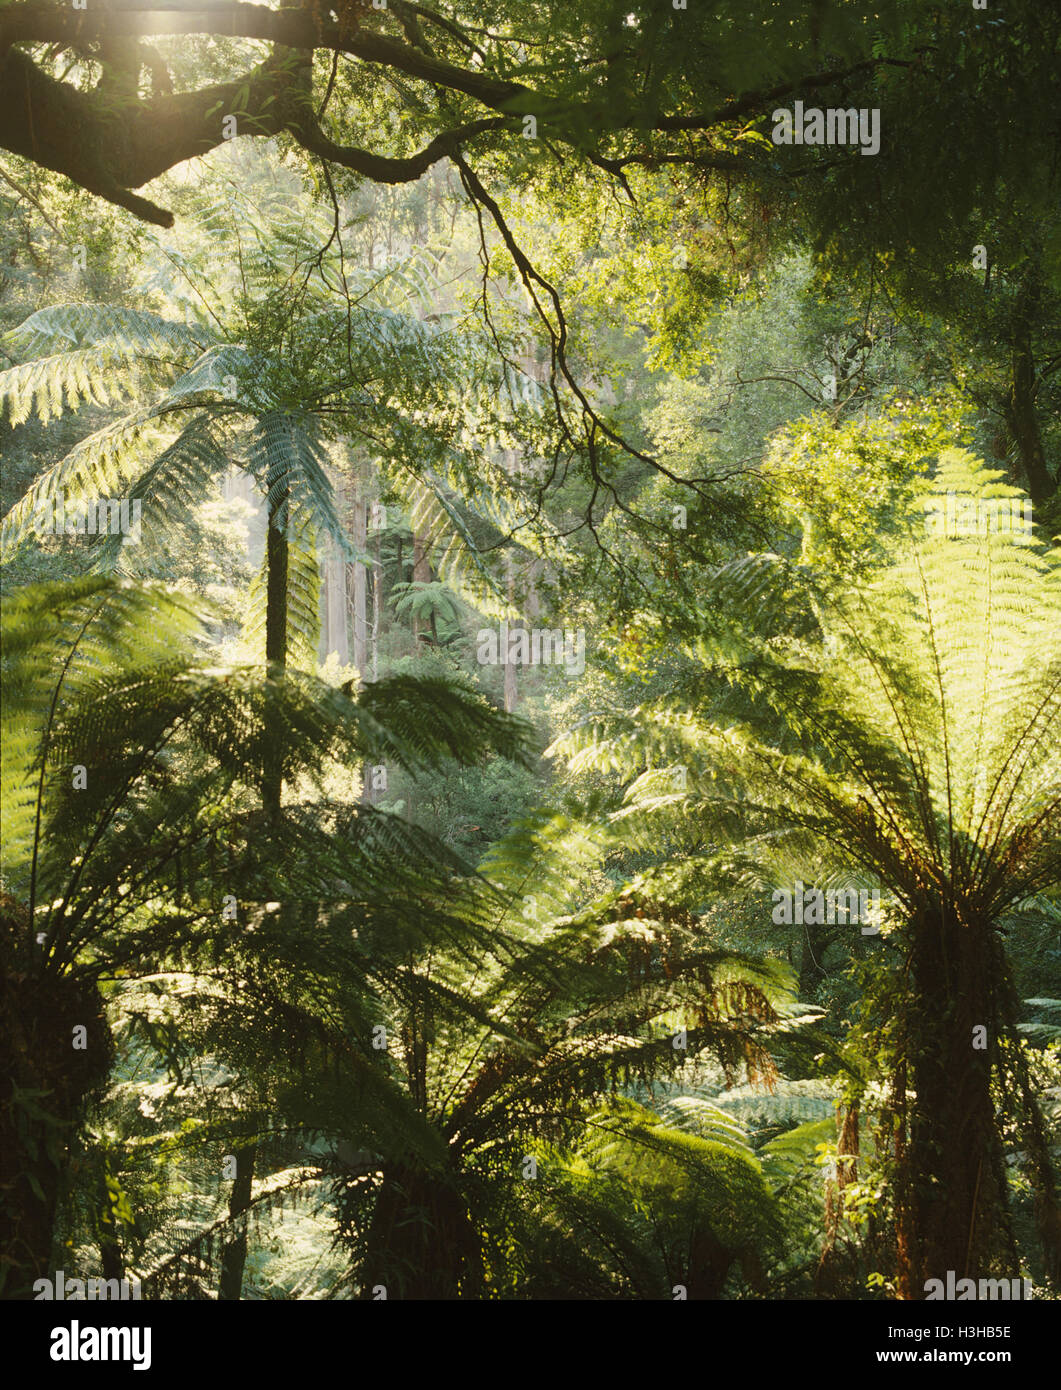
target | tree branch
[
  {"x": 44, "y": 23},
  {"x": 383, "y": 169},
  {"x": 111, "y": 141},
  {"x": 110, "y": 147}
]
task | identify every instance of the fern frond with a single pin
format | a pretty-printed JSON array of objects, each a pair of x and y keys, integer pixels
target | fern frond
[{"x": 129, "y": 333}]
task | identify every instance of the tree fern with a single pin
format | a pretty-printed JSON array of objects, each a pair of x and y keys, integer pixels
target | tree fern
[
  {"x": 907, "y": 728},
  {"x": 132, "y": 817},
  {"x": 506, "y": 1033}
]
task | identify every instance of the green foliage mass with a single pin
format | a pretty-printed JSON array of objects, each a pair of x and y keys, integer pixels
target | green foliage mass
[{"x": 517, "y": 1020}]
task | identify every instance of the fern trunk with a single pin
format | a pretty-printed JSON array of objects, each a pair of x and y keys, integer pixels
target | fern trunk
[
  {"x": 421, "y": 1241},
  {"x": 951, "y": 1185},
  {"x": 814, "y": 943},
  {"x": 234, "y": 1255},
  {"x": 46, "y": 1081},
  {"x": 110, "y": 1250},
  {"x": 709, "y": 1265}
]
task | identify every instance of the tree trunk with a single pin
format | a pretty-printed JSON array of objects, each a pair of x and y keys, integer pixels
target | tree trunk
[
  {"x": 377, "y": 601},
  {"x": 709, "y": 1265},
  {"x": 44, "y": 1082},
  {"x": 511, "y": 679},
  {"x": 421, "y": 575},
  {"x": 110, "y": 1249},
  {"x": 951, "y": 1187},
  {"x": 276, "y": 561},
  {"x": 511, "y": 688},
  {"x": 512, "y": 466},
  {"x": 276, "y": 552},
  {"x": 1022, "y": 415},
  {"x": 369, "y": 793},
  {"x": 336, "y": 637},
  {"x": 234, "y": 1256},
  {"x": 814, "y": 943},
  {"x": 421, "y": 1241},
  {"x": 838, "y": 1269},
  {"x": 357, "y": 585}
]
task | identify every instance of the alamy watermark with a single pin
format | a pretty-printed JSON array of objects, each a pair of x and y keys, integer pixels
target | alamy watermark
[
  {"x": 971, "y": 516},
  {"x": 826, "y": 907},
  {"x": 93, "y": 516},
  {"x": 540, "y": 646},
  {"x": 834, "y": 126},
  {"x": 64, "y": 1290},
  {"x": 963, "y": 1290},
  {"x": 77, "y": 1343}
]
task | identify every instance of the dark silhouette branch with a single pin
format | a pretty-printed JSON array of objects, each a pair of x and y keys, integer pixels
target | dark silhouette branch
[
  {"x": 294, "y": 28},
  {"x": 111, "y": 141},
  {"x": 109, "y": 146}
]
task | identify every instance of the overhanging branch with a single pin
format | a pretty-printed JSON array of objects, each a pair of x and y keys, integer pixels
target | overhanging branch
[
  {"x": 110, "y": 148},
  {"x": 382, "y": 168},
  {"x": 294, "y": 28},
  {"x": 110, "y": 141}
]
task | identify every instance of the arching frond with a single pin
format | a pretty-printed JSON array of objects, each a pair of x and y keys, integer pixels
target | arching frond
[{"x": 128, "y": 333}]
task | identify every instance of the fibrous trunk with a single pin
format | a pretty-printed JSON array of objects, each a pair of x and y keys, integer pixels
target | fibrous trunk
[
  {"x": 951, "y": 1188},
  {"x": 49, "y": 1067},
  {"x": 421, "y": 1242}
]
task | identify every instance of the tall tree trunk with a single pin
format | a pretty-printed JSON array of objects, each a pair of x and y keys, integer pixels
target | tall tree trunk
[
  {"x": 421, "y": 575},
  {"x": 234, "y": 1256},
  {"x": 1022, "y": 414},
  {"x": 357, "y": 584},
  {"x": 238, "y": 486},
  {"x": 377, "y": 600},
  {"x": 511, "y": 688},
  {"x": 336, "y": 638},
  {"x": 370, "y": 793},
  {"x": 533, "y": 601},
  {"x": 513, "y": 466},
  {"x": 278, "y": 493},
  {"x": 814, "y": 943},
  {"x": 357, "y": 601},
  {"x": 276, "y": 561},
  {"x": 511, "y": 679}
]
